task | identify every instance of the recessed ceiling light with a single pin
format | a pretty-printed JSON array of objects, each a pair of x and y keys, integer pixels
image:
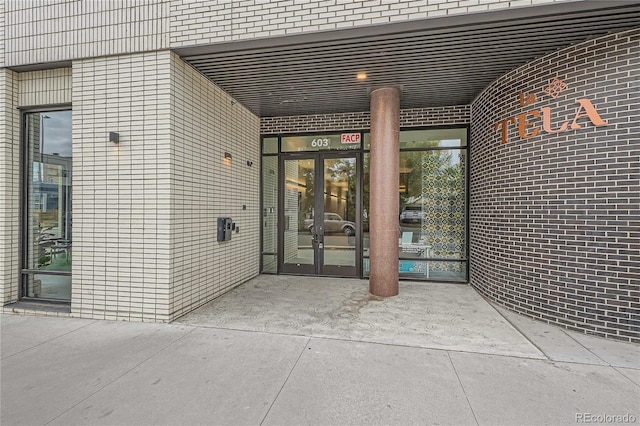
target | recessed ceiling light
[{"x": 362, "y": 76}]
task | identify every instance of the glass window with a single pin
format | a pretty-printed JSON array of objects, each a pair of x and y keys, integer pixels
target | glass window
[
  {"x": 432, "y": 270},
  {"x": 432, "y": 219},
  {"x": 433, "y": 210},
  {"x": 269, "y": 264},
  {"x": 339, "y": 141},
  {"x": 299, "y": 200},
  {"x": 430, "y": 138},
  {"x": 269, "y": 212},
  {"x": 48, "y": 200},
  {"x": 270, "y": 145},
  {"x": 339, "y": 205}
]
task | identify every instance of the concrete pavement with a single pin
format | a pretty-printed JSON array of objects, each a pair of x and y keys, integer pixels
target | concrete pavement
[{"x": 246, "y": 366}]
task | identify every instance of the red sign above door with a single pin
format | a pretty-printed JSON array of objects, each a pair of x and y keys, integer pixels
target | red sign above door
[{"x": 350, "y": 138}]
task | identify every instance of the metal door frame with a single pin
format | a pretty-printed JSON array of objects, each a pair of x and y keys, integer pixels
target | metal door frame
[{"x": 318, "y": 268}]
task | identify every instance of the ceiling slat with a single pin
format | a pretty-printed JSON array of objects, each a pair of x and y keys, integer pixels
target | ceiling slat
[{"x": 435, "y": 67}]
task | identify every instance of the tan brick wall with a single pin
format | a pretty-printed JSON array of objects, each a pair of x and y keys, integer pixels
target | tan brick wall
[
  {"x": 41, "y": 31},
  {"x": 59, "y": 30},
  {"x": 9, "y": 187},
  {"x": 206, "y": 123},
  {"x": 204, "y": 22},
  {"x": 19, "y": 90},
  {"x": 145, "y": 209},
  {"x": 121, "y": 193},
  {"x": 2, "y": 32},
  {"x": 45, "y": 87}
]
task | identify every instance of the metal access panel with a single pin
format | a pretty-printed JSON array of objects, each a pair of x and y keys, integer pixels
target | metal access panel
[{"x": 225, "y": 227}]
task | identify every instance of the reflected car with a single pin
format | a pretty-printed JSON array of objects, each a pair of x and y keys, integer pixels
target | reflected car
[
  {"x": 411, "y": 213},
  {"x": 333, "y": 223}
]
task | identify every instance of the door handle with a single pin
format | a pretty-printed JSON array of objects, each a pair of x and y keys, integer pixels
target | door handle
[{"x": 316, "y": 240}]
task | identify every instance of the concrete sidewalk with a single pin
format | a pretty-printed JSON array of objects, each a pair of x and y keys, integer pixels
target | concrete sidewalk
[{"x": 230, "y": 365}]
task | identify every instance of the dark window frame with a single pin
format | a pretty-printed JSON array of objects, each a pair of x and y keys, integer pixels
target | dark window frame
[
  {"x": 466, "y": 147},
  {"x": 24, "y": 202}
]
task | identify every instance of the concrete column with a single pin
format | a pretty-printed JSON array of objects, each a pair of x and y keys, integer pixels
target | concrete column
[{"x": 384, "y": 197}]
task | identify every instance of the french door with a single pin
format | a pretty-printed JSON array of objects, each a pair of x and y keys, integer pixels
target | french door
[{"x": 320, "y": 214}]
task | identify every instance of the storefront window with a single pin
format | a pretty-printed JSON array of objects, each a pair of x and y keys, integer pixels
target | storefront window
[
  {"x": 432, "y": 215},
  {"x": 429, "y": 138},
  {"x": 48, "y": 218},
  {"x": 432, "y": 220}
]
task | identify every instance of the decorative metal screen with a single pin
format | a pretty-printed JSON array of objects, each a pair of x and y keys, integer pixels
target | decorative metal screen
[{"x": 444, "y": 207}]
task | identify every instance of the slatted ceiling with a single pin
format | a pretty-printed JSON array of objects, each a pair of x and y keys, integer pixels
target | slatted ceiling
[
  {"x": 488, "y": 50},
  {"x": 358, "y": 56},
  {"x": 517, "y": 35},
  {"x": 524, "y": 29},
  {"x": 303, "y": 57},
  {"x": 446, "y": 66}
]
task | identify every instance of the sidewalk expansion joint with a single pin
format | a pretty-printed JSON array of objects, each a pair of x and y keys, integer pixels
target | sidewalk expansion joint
[
  {"x": 48, "y": 341},
  {"x": 122, "y": 375},
  {"x": 304, "y": 347},
  {"x": 587, "y": 349},
  {"x": 370, "y": 342},
  {"x": 462, "y": 387}
]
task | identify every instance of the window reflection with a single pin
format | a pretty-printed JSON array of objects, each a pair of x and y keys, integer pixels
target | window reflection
[
  {"x": 432, "y": 219},
  {"x": 340, "y": 211},
  {"x": 428, "y": 138},
  {"x": 49, "y": 200}
]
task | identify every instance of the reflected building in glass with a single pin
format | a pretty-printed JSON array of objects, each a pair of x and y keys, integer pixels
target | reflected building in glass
[{"x": 48, "y": 234}]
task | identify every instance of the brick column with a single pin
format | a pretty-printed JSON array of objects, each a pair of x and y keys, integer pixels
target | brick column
[
  {"x": 9, "y": 187},
  {"x": 384, "y": 196}
]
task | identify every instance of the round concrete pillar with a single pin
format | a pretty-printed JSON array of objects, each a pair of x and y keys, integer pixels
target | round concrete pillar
[{"x": 384, "y": 197}]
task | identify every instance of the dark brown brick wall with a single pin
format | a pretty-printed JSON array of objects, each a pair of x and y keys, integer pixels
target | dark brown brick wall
[
  {"x": 416, "y": 117},
  {"x": 555, "y": 218}
]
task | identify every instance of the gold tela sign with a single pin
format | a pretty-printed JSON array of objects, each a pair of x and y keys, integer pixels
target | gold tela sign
[{"x": 527, "y": 128}]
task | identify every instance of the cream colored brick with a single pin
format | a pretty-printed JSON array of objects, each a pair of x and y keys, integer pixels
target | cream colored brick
[
  {"x": 95, "y": 27},
  {"x": 9, "y": 187},
  {"x": 345, "y": 13},
  {"x": 45, "y": 87}
]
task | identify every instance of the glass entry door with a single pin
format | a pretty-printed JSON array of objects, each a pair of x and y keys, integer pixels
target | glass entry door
[{"x": 319, "y": 222}]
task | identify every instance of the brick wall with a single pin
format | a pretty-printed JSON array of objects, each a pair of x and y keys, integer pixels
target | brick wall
[
  {"x": 206, "y": 123},
  {"x": 58, "y": 30},
  {"x": 2, "y": 32},
  {"x": 45, "y": 87},
  {"x": 554, "y": 217},
  {"x": 416, "y": 117},
  {"x": 9, "y": 187},
  {"x": 40, "y": 31},
  {"x": 145, "y": 209},
  {"x": 122, "y": 192},
  {"x": 203, "y": 21}
]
